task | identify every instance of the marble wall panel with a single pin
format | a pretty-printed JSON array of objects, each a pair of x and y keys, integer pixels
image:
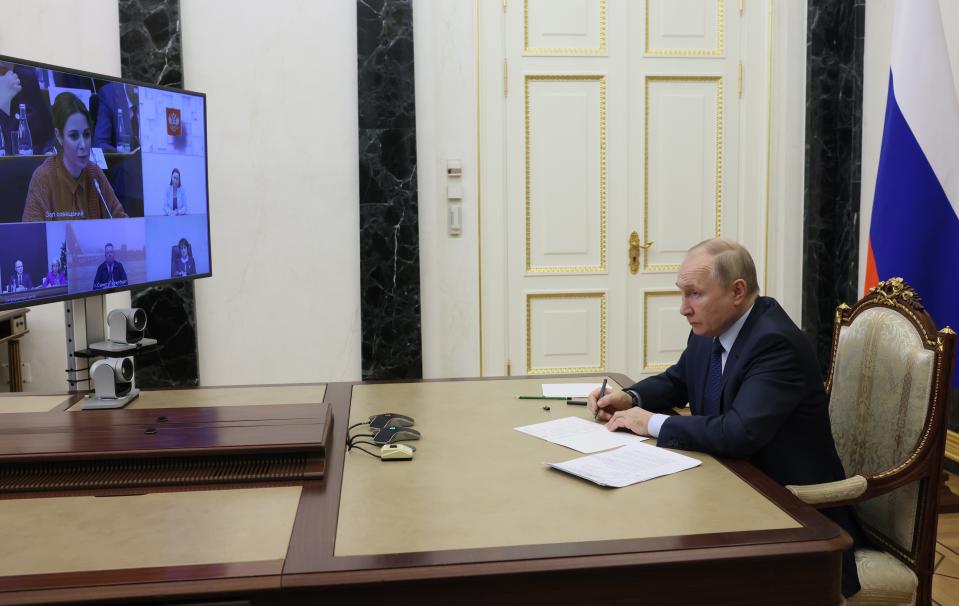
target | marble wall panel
[
  {"x": 835, "y": 42},
  {"x": 150, "y": 41},
  {"x": 150, "y": 52},
  {"x": 389, "y": 223}
]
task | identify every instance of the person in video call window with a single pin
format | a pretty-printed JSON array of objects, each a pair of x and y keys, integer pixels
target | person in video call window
[
  {"x": 10, "y": 87},
  {"x": 56, "y": 277},
  {"x": 114, "y": 96},
  {"x": 110, "y": 273},
  {"x": 19, "y": 280},
  {"x": 19, "y": 84},
  {"x": 183, "y": 264},
  {"x": 64, "y": 187},
  {"x": 175, "y": 196}
]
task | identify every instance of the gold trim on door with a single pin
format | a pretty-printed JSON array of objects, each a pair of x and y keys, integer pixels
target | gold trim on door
[
  {"x": 569, "y": 269},
  {"x": 647, "y": 294},
  {"x": 718, "y": 80},
  {"x": 602, "y": 332},
  {"x": 719, "y": 51},
  {"x": 565, "y": 51}
]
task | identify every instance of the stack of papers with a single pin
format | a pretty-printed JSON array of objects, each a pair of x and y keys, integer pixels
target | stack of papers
[
  {"x": 580, "y": 434},
  {"x": 630, "y": 462},
  {"x": 627, "y": 465}
]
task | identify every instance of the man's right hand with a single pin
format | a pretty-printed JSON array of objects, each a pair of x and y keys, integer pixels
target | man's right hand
[{"x": 603, "y": 408}]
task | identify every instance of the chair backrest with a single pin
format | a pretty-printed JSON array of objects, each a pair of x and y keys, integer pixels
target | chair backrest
[{"x": 888, "y": 388}]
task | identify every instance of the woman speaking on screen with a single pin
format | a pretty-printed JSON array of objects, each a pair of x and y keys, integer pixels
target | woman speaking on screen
[
  {"x": 175, "y": 196},
  {"x": 68, "y": 186}
]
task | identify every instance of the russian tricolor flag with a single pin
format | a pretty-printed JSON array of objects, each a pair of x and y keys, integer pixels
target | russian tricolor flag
[{"x": 915, "y": 214}]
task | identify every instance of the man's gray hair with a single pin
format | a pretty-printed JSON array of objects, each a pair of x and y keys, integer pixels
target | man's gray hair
[{"x": 731, "y": 261}]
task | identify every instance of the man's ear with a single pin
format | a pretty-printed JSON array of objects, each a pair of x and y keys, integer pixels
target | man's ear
[{"x": 739, "y": 290}]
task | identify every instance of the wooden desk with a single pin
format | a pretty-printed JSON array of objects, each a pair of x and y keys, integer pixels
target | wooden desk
[{"x": 447, "y": 527}]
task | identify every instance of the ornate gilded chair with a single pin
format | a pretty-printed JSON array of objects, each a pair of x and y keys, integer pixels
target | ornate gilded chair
[{"x": 888, "y": 389}]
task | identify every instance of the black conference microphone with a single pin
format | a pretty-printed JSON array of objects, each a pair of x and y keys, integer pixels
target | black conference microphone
[
  {"x": 390, "y": 418},
  {"x": 392, "y": 433},
  {"x": 96, "y": 184}
]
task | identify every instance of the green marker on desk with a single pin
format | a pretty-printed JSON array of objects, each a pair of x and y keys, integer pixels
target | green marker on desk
[
  {"x": 542, "y": 398},
  {"x": 572, "y": 401}
]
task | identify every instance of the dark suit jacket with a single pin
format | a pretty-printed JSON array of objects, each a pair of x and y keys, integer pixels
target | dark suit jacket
[
  {"x": 104, "y": 276},
  {"x": 24, "y": 281},
  {"x": 179, "y": 268},
  {"x": 773, "y": 410},
  {"x": 111, "y": 97}
]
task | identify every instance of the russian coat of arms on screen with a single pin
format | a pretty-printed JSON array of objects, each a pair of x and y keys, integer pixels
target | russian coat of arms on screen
[{"x": 173, "y": 124}]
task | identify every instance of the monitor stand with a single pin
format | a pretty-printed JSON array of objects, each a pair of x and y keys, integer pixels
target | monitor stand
[{"x": 84, "y": 320}]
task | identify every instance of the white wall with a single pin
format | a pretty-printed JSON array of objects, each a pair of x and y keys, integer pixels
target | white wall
[
  {"x": 280, "y": 78},
  {"x": 787, "y": 156},
  {"x": 82, "y": 34},
  {"x": 446, "y": 129},
  {"x": 879, "y": 22}
]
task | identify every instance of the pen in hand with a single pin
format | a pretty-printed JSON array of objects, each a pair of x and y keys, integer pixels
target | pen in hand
[{"x": 602, "y": 393}]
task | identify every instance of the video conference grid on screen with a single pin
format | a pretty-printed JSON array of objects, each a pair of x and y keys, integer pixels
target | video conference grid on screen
[{"x": 102, "y": 184}]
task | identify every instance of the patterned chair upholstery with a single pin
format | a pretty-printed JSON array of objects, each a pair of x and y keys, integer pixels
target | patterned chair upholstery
[{"x": 888, "y": 390}]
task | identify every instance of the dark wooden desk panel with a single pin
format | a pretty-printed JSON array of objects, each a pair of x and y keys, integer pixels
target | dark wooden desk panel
[
  {"x": 151, "y": 432},
  {"x": 206, "y": 580}
]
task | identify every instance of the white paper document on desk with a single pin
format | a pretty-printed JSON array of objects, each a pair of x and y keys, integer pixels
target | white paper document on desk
[
  {"x": 627, "y": 465},
  {"x": 569, "y": 390},
  {"x": 579, "y": 434}
]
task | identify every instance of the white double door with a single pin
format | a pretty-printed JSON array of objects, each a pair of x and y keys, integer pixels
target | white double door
[{"x": 632, "y": 130}]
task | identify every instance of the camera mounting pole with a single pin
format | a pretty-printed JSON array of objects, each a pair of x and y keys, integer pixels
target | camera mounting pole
[{"x": 84, "y": 321}]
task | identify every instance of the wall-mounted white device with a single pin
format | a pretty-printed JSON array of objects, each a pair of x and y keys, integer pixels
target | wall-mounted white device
[{"x": 454, "y": 197}]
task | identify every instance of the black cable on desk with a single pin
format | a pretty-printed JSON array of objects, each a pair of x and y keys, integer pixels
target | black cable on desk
[
  {"x": 349, "y": 438},
  {"x": 372, "y": 454}
]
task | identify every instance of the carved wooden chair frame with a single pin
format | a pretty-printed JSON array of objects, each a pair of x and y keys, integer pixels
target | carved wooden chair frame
[{"x": 925, "y": 461}]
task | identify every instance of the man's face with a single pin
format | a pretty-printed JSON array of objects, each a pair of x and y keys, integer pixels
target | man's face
[
  {"x": 708, "y": 307},
  {"x": 108, "y": 254},
  {"x": 18, "y": 267}
]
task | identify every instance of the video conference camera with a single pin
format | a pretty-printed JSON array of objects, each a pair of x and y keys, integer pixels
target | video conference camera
[
  {"x": 126, "y": 326},
  {"x": 113, "y": 383}
]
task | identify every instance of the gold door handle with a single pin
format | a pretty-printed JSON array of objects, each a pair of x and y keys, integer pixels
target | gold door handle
[{"x": 634, "y": 247}]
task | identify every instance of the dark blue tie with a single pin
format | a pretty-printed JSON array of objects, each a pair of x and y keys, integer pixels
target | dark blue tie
[{"x": 714, "y": 380}]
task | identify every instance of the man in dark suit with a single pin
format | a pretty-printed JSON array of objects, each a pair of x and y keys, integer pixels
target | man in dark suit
[
  {"x": 19, "y": 279},
  {"x": 750, "y": 377},
  {"x": 110, "y": 273},
  {"x": 112, "y": 97}
]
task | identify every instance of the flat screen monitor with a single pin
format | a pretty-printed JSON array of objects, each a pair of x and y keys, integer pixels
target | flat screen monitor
[{"x": 103, "y": 184}]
